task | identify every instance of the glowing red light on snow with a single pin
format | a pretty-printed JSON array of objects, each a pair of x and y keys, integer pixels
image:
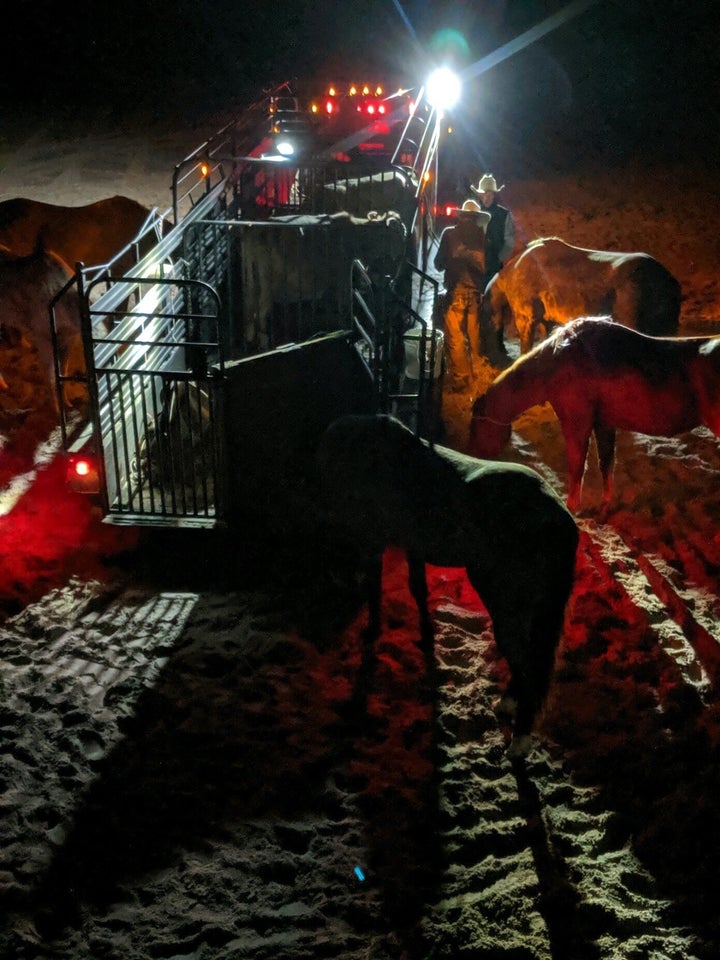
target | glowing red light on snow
[{"x": 83, "y": 475}]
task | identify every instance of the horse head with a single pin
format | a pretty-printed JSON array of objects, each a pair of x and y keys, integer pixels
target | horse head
[{"x": 488, "y": 435}]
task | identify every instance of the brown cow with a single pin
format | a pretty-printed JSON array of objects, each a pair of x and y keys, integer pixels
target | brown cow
[
  {"x": 552, "y": 282},
  {"x": 92, "y": 234},
  {"x": 382, "y": 192},
  {"x": 27, "y": 286}
]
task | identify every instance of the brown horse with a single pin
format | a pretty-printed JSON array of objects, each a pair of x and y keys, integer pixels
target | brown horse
[
  {"x": 381, "y": 485},
  {"x": 27, "y": 286},
  {"x": 552, "y": 282},
  {"x": 601, "y": 377},
  {"x": 92, "y": 234}
]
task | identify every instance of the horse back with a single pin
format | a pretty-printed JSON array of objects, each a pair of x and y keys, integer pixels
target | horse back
[
  {"x": 567, "y": 281},
  {"x": 649, "y": 296},
  {"x": 93, "y": 233}
]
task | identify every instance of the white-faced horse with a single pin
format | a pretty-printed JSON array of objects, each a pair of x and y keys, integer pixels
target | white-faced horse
[
  {"x": 383, "y": 486},
  {"x": 552, "y": 282},
  {"x": 600, "y": 377}
]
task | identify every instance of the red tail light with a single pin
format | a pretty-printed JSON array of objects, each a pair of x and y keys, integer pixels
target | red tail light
[{"x": 83, "y": 475}]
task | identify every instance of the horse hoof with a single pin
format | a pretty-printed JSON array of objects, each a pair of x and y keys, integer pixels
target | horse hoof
[
  {"x": 520, "y": 747},
  {"x": 505, "y": 707}
]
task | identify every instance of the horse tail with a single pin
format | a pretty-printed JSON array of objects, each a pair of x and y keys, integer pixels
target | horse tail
[{"x": 658, "y": 298}]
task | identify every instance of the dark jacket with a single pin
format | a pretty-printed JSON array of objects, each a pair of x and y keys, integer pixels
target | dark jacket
[
  {"x": 500, "y": 239},
  {"x": 461, "y": 254}
]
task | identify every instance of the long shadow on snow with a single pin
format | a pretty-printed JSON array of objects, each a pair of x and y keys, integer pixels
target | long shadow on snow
[
  {"x": 247, "y": 720},
  {"x": 632, "y": 727}
]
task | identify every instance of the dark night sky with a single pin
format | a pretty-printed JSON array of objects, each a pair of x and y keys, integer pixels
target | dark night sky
[{"x": 624, "y": 77}]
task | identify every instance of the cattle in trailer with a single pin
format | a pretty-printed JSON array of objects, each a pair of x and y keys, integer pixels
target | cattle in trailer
[
  {"x": 295, "y": 271},
  {"x": 27, "y": 287},
  {"x": 393, "y": 190},
  {"x": 381, "y": 485},
  {"x": 91, "y": 234},
  {"x": 552, "y": 282}
]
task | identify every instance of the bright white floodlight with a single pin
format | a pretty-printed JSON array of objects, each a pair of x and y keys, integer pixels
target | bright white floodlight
[
  {"x": 285, "y": 148},
  {"x": 443, "y": 89}
]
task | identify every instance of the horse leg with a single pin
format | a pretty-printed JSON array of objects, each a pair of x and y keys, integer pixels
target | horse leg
[
  {"x": 371, "y": 632},
  {"x": 605, "y": 441},
  {"x": 369, "y": 636},
  {"x": 577, "y": 440},
  {"x": 419, "y": 590},
  {"x": 523, "y": 696},
  {"x": 526, "y": 331}
]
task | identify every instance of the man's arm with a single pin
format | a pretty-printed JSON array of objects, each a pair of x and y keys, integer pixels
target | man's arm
[
  {"x": 508, "y": 244},
  {"x": 441, "y": 258}
]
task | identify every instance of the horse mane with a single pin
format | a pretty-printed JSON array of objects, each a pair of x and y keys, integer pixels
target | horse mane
[
  {"x": 538, "y": 240},
  {"x": 572, "y": 330}
]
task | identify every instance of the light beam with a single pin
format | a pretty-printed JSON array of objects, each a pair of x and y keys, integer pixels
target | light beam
[{"x": 525, "y": 39}]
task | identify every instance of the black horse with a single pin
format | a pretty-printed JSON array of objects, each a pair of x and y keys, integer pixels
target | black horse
[{"x": 383, "y": 485}]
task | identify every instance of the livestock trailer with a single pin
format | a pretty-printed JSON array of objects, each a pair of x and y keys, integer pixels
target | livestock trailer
[{"x": 285, "y": 293}]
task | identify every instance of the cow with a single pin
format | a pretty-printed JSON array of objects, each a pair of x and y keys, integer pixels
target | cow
[
  {"x": 92, "y": 234},
  {"x": 382, "y": 192},
  {"x": 552, "y": 282},
  {"x": 27, "y": 286},
  {"x": 292, "y": 262}
]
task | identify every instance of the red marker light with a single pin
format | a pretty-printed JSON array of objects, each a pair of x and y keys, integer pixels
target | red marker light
[{"x": 83, "y": 475}]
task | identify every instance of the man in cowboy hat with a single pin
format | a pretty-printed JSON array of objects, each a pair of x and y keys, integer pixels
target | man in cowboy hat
[
  {"x": 461, "y": 254},
  {"x": 501, "y": 229}
]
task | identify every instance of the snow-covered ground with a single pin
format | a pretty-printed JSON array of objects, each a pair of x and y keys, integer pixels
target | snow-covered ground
[{"x": 179, "y": 778}]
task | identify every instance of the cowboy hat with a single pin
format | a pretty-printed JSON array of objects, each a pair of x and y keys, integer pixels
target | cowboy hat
[
  {"x": 487, "y": 182},
  {"x": 472, "y": 209}
]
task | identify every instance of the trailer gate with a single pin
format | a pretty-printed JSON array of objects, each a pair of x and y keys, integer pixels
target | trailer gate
[{"x": 154, "y": 375}]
